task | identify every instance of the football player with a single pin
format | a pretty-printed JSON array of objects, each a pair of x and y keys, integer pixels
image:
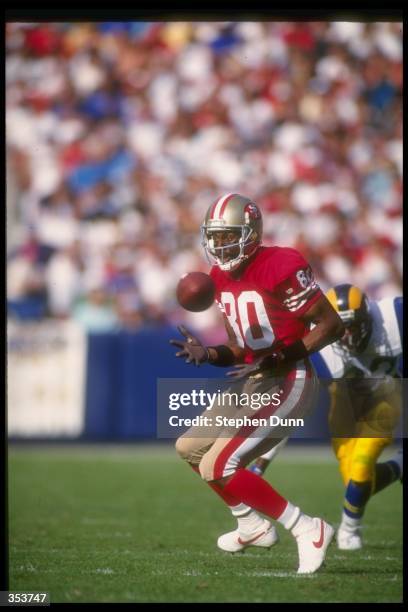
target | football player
[
  {"x": 368, "y": 357},
  {"x": 269, "y": 299}
]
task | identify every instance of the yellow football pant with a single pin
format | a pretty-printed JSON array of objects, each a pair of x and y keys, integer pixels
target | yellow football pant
[{"x": 357, "y": 456}]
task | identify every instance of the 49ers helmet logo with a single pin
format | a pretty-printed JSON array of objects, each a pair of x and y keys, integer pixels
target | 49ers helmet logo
[{"x": 252, "y": 211}]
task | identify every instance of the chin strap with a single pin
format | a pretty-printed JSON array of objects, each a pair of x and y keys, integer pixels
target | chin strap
[{"x": 244, "y": 258}]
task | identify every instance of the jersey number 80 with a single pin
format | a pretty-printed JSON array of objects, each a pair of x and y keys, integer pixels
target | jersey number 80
[{"x": 249, "y": 310}]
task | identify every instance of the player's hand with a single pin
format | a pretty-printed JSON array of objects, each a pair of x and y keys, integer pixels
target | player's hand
[
  {"x": 191, "y": 347},
  {"x": 243, "y": 369},
  {"x": 246, "y": 369}
]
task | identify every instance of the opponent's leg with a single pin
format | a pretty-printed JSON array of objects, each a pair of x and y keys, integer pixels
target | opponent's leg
[
  {"x": 260, "y": 465},
  {"x": 343, "y": 449},
  {"x": 365, "y": 453},
  {"x": 388, "y": 472}
]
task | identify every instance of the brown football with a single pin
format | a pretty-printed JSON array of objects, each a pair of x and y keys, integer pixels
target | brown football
[{"x": 195, "y": 291}]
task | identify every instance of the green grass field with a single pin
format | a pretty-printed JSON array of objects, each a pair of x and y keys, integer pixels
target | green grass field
[{"x": 135, "y": 524}]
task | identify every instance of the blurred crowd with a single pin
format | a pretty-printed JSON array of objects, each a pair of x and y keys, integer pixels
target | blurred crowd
[{"x": 121, "y": 134}]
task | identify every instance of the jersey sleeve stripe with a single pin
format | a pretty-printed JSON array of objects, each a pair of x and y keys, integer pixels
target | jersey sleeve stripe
[
  {"x": 298, "y": 302},
  {"x": 308, "y": 298},
  {"x": 294, "y": 298},
  {"x": 296, "y": 306}
]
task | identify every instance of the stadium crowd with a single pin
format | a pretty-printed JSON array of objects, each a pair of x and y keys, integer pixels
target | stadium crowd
[{"x": 120, "y": 134}]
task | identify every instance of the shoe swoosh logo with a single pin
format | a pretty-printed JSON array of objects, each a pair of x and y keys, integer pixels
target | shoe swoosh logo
[
  {"x": 252, "y": 539},
  {"x": 319, "y": 542}
]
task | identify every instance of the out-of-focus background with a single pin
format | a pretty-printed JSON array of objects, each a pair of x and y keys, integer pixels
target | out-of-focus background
[{"x": 121, "y": 134}]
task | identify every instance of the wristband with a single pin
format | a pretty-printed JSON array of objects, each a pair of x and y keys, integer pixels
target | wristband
[
  {"x": 286, "y": 354},
  {"x": 225, "y": 357},
  {"x": 294, "y": 351}
]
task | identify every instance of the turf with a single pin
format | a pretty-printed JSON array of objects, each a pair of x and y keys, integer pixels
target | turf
[{"x": 94, "y": 524}]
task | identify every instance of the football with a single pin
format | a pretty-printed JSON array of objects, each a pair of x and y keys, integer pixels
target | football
[{"x": 195, "y": 291}]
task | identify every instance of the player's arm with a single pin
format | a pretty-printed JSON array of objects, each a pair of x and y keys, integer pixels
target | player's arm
[
  {"x": 328, "y": 328},
  {"x": 328, "y": 325},
  {"x": 229, "y": 353}
]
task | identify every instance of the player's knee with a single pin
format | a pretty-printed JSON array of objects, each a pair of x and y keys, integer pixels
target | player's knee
[
  {"x": 339, "y": 449},
  {"x": 363, "y": 466},
  {"x": 344, "y": 472},
  {"x": 344, "y": 467},
  {"x": 212, "y": 471},
  {"x": 365, "y": 457},
  {"x": 183, "y": 448},
  {"x": 206, "y": 469},
  {"x": 191, "y": 450},
  {"x": 362, "y": 469}
]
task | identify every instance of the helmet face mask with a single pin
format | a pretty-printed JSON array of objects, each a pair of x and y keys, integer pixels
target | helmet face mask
[
  {"x": 356, "y": 332},
  {"x": 353, "y": 308},
  {"x": 231, "y": 231},
  {"x": 226, "y": 246}
]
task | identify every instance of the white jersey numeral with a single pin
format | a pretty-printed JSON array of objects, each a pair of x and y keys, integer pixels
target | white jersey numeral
[
  {"x": 239, "y": 309},
  {"x": 230, "y": 310}
]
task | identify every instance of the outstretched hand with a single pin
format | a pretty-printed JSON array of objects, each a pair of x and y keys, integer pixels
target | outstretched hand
[
  {"x": 243, "y": 369},
  {"x": 246, "y": 369},
  {"x": 192, "y": 348}
]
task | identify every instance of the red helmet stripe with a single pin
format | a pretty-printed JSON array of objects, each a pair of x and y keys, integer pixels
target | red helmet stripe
[{"x": 220, "y": 205}]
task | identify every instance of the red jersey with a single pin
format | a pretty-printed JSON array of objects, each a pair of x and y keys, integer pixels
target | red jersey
[{"x": 265, "y": 302}]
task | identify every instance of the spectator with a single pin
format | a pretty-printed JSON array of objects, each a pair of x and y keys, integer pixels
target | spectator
[
  {"x": 95, "y": 311},
  {"x": 120, "y": 134}
]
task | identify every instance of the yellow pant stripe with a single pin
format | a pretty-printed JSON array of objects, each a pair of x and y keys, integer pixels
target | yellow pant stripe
[{"x": 350, "y": 507}]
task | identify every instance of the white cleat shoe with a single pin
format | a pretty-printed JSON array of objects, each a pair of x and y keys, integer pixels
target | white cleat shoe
[
  {"x": 347, "y": 540},
  {"x": 312, "y": 545},
  {"x": 234, "y": 541}
]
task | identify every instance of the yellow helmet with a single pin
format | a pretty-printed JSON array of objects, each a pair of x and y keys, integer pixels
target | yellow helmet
[{"x": 353, "y": 308}]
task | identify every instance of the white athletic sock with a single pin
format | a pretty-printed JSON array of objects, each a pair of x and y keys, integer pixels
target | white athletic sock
[
  {"x": 303, "y": 523},
  {"x": 349, "y": 523},
  {"x": 240, "y": 510},
  {"x": 248, "y": 520},
  {"x": 290, "y": 516}
]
